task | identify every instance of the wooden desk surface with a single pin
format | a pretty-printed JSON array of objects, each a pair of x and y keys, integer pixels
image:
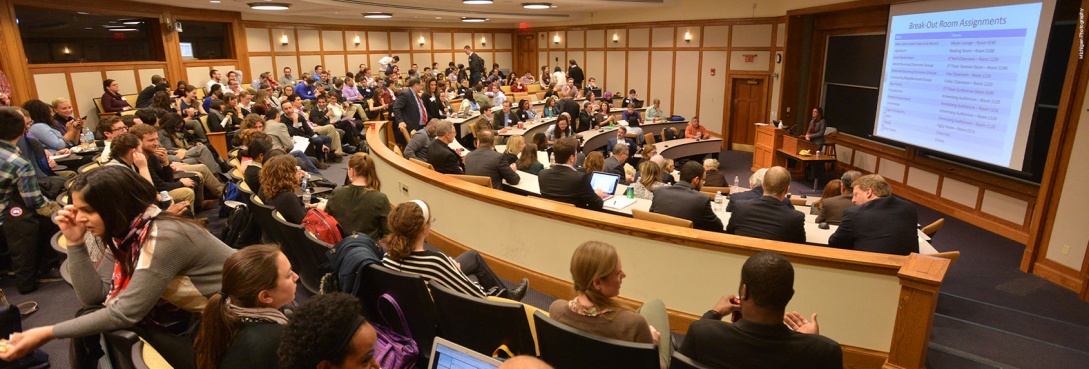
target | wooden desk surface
[{"x": 810, "y": 158}]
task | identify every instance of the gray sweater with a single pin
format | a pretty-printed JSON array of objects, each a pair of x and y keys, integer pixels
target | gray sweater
[{"x": 179, "y": 262}]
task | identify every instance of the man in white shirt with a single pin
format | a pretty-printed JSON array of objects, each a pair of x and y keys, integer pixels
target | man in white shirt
[
  {"x": 386, "y": 63},
  {"x": 216, "y": 78}
]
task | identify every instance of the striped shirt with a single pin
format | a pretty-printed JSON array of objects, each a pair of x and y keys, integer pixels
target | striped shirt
[
  {"x": 438, "y": 268},
  {"x": 17, "y": 175}
]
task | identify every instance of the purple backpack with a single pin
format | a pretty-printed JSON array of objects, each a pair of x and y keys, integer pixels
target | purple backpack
[{"x": 394, "y": 350}]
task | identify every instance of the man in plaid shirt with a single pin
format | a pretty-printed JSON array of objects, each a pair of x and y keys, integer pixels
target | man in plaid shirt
[{"x": 25, "y": 221}]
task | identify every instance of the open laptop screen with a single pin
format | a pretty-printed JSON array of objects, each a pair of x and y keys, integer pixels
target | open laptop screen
[
  {"x": 449, "y": 355},
  {"x": 606, "y": 182}
]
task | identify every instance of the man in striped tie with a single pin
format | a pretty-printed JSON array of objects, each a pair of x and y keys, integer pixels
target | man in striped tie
[{"x": 408, "y": 110}]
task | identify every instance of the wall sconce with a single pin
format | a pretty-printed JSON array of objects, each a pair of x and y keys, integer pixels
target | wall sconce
[
  {"x": 483, "y": 41},
  {"x": 616, "y": 38},
  {"x": 422, "y": 40},
  {"x": 356, "y": 40},
  {"x": 67, "y": 51},
  {"x": 283, "y": 39},
  {"x": 687, "y": 36},
  {"x": 556, "y": 39}
]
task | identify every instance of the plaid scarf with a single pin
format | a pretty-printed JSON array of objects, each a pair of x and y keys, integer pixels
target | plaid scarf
[{"x": 138, "y": 232}]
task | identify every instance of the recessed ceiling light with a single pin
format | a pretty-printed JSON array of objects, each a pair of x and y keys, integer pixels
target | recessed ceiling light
[
  {"x": 83, "y": 13},
  {"x": 214, "y": 1},
  {"x": 377, "y": 15},
  {"x": 536, "y": 5},
  {"x": 476, "y": 2},
  {"x": 111, "y": 26},
  {"x": 133, "y": 23},
  {"x": 124, "y": 29},
  {"x": 473, "y": 19},
  {"x": 269, "y": 6}
]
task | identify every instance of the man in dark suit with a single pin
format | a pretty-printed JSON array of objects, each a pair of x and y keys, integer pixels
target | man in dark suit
[
  {"x": 562, "y": 182},
  {"x": 831, "y": 209},
  {"x": 476, "y": 66},
  {"x": 684, "y": 200},
  {"x": 621, "y": 134},
  {"x": 568, "y": 105},
  {"x": 408, "y": 110},
  {"x": 575, "y": 73},
  {"x": 615, "y": 163},
  {"x": 756, "y": 182},
  {"x": 507, "y": 118},
  {"x": 440, "y": 155},
  {"x": 767, "y": 217},
  {"x": 143, "y": 100},
  {"x": 587, "y": 119},
  {"x": 485, "y": 161},
  {"x": 766, "y": 336},
  {"x": 880, "y": 222}
]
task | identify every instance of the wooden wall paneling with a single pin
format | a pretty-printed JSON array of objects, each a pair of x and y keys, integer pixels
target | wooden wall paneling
[
  {"x": 13, "y": 58},
  {"x": 615, "y": 71},
  {"x": 596, "y": 38},
  {"x": 377, "y": 41},
  {"x": 712, "y": 107},
  {"x": 259, "y": 40},
  {"x": 639, "y": 73},
  {"x": 52, "y": 85},
  {"x": 594, "y": 66},
  {"x": 686, "y": 94}
]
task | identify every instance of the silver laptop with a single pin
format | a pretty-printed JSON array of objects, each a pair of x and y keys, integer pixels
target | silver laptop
[
  {"x": 606, "y": 182},
  {"x": 449, "y": 355}
]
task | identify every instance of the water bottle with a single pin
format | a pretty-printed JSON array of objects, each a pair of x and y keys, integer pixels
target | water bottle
[
  {"x": 305, "y": 181},
  {"x": 718, "y": 200},
  {"x": 737, "y": 181},
  {"x": 306, "y": 196},
  {"x": 166, "y": 200},
  {"x": 86, "y": 139}
]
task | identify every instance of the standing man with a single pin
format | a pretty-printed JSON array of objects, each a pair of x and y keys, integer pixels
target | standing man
[
  {"x": 408, "y": 110},
  {"x": 574, "y": 72},
  {"x": 684, "y": 200},
  {"x": 387, "y": 62},
  {"x": 880, "y": 222},
  {"x": 476, "y": 66}
]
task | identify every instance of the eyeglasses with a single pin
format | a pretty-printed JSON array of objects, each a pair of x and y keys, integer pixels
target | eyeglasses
[{"x": 122, "y": 128}]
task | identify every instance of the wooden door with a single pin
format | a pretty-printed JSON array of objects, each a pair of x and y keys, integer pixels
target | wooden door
[
  {"x": 747, "y": 97},
  {"x": 527, "y": 55}
]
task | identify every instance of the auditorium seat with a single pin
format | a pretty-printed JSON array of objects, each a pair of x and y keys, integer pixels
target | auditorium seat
[
  {"x": 422, "y": 163},
  {"x": 480, "y": 180},
  {"x": 679, "y": 361},
  {"x": 305, "y": 256},
  {"x": 569, "y": 348},
  {"x": 410, "y": 292},
  {"x": 933, "y": 228},
  {"x": 483, "y": 325},
  {"x": 659, "y": 218},
  {"x": 262, "y": 214}
]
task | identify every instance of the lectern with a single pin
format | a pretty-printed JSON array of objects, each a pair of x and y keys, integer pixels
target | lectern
[{"x": 769, "y": 139}]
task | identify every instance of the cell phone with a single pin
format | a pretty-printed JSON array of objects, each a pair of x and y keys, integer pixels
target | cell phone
[
  {"x": 736, "y": 314},
  {"x": 83, "y": 117}
]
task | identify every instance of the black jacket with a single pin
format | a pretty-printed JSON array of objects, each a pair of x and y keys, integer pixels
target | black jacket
[
  {"x": 564, "y": 184},
  {"x": 886, "y": 225},
  {"x": 767, "y": 218},
  {"x": 683, "y": 201},
  {"x": 443, "y": 158}
]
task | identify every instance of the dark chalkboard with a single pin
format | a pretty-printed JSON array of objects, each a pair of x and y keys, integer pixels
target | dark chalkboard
[
  {"x": 855, "y": 60},
  {"x": 850, "y": 109}
]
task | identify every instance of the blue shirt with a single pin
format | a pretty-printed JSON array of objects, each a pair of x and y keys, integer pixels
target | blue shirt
[{"x": 304, "y": 91}]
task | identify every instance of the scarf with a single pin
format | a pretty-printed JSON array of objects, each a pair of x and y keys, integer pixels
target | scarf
[
  {"x": 256, "y": 314},
  {"x": 130, "y": 243},
  {"x": 590, "y": 311}
]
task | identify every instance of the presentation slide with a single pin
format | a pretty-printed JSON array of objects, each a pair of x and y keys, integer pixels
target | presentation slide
[{"x": 963, "y": 81}]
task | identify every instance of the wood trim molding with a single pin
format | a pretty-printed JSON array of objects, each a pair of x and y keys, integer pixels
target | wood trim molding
[
  {"x": 1061, "y": 275},
  {"x": 920, "y": 279}
]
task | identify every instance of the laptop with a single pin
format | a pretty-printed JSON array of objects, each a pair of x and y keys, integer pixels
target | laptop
[
  {"x": 606, "y": 182},
  {"x": 638, "y": 104},
  {"x": 449, "y": 355}
]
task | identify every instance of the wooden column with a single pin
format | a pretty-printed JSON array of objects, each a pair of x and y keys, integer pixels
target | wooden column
[
  {"x": 920, "y": 279},
  {"x": 12, "y": 58},
  {"x": 768, "y": 140}
]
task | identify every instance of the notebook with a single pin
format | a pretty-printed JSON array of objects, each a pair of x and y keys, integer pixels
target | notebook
[
  {"x": 449, "y": 355},
  {"x": 606, "y": 182}
]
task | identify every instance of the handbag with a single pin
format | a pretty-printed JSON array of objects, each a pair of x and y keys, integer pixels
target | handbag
[
  {"x": 394, "y": 350},
  {"x": 11, "y": 322}
]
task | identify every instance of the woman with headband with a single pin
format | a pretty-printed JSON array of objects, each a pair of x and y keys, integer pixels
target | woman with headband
[
  {"x": 328, "y": 331},
  {"x": 241, "y": 325},
  {"x": 409, "y": 225}
]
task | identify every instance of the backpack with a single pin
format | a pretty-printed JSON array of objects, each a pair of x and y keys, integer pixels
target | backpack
[
  {"x": 323, "y": 226},
  {"x": 11, "y": 321},
  {"x": 346, "y": 261},
  {"x": 677, "y": 118},
  {"x": 230, "y": 193},
  {"x": 241, "y": 229},
  {"x": 393, "y": 349}
]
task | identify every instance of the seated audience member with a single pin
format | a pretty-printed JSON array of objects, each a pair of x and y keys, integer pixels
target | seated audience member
[
  {"x": 242, "y": 324},
  {"x": 541, "y": 141},
  {"x": 149, "y": 250},
  {"x": 766, "y": 336},
  {"x": 420, "y": 141},
  {"x": 756, "y": 181},
  {"x": 631, "y": 116},
  {"x": 45, "y": 130},
  {"x": 524, "y": 362},
  {"x": 507, "y": 116},
  {"x": 561, "y": 129},
  {"x": 550, "y": 110},
  {"x": 695, "y": 130},
  {"x": 126, "y": 152},
  {"x": 654, "y": 112},
  {"x": 112, "y": 101},
  {"x": 649, "y": 150},
  {"x": 143, "y": 100},
  {"x": 649, "y": 180},
  {"x": 214, "y": 78},
  {"x": 621, "y": 136},
  {"x": 328, "y": 331},
  {"x": 594, "y": 162},
  {"x": 65, "y": 120},
  {"x": 587, "y": 119},
  {"x": 306, "y": 88},
  {"x": 468, "y": 105},
  {"x": 486, "y": 162},
  {"x": 684, "y": 200},
  {"x": 562, "y": 182},
  {"x": 440, "y": 155},
  {"x": 615, "y": 163},
  {"x": 279, "y": 179},
  {"x": 767, "y": 217},
  {"x": 831, "y": 190},
  {"x": 597, "y": 273},
  {"x": 328, "y": 118},
  {"x": 180, "y": 91},
  {"x": 172, "y": 137},
  {"x": 256, "y": 150},
  {"x": 714, "y": 178},
  {"x": 360, "y": 206},
  {"x": 109, "y": 128},
  {"x": 515, "y": 144},
  {"x": 409, "y": 224},
  {"x": 25, "y": 209},
  {"x": 162, "y": 173},
  {"x": 528, "y": 162},
  {"x": 631, "y": 99},
  {"x": 297, "y": 126},
  {"x": 880, "y": 223},
  {"x": 526, "y": 113},
  {"x": 279, "y": 135},
  {"x": 834, "y": 202},
  {"x": 667, "y": 169}
]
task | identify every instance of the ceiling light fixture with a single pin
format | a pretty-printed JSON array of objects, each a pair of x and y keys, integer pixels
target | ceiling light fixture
[
  {"x": 269, "y": 6},
  {"x": 132, "y": 23},
  {"x": 537, "y": 5},
  {"x": 214, "y": 1},
  {"x": 377, "y": 15},
  {"x": 473, "y": 19},
  {"x": 124, "y": 29},
  {"x": 476, "y": 2}
]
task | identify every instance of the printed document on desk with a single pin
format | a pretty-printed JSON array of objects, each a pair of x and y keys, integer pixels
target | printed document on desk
[{"x": 619, "y": 202}]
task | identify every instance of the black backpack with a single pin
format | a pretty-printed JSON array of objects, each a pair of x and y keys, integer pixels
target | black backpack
[
  {"x": 346, "y": 259},
  {"x": 241, "y": 229}
]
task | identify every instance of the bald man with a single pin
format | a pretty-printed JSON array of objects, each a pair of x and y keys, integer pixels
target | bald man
[
  {"x": 767, "y": 217},
  {"x": 524, "y": 362}
]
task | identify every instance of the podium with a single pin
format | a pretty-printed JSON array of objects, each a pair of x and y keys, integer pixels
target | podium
[{"x": 769, "y": 139}]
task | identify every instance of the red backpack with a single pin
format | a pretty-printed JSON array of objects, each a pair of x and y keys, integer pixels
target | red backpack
[{"x": 323, "y": 226}]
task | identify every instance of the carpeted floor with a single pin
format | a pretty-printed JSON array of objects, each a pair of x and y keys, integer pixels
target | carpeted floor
[{"x": 989, "y": 315}]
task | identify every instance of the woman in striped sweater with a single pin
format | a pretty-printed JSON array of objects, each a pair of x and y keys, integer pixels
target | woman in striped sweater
[{"x": 409, "y": 224}]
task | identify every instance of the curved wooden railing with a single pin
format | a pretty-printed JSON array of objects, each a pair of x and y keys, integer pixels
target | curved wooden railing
[{"x": 878, "y": 307}]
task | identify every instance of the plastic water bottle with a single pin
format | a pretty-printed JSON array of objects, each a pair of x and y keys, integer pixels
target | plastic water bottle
[
  {"x": 86, "y": 139},
  {"x": 306, "y": 196},
  {"x": 305, "y": 181},
  {"x": 718, "y": 200},
  {"x": 737, "y": 181},
  {"x": 166, "y": 200}
]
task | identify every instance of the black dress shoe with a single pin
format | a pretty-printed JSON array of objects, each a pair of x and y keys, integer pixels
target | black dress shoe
[{"x": 519, "y": 292}]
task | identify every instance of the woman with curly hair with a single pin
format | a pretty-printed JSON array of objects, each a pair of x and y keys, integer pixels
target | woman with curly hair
[
  {"x": 597, "y": 274},
  {"x": 241, "y": 325},
  {"x": 650, "y": 179},
  {"x": 409, "y": 225},
  {"x": 328, "y": 331},
  {"x": 279, "y": 179},
  {"x": 594, "y": 162}
]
